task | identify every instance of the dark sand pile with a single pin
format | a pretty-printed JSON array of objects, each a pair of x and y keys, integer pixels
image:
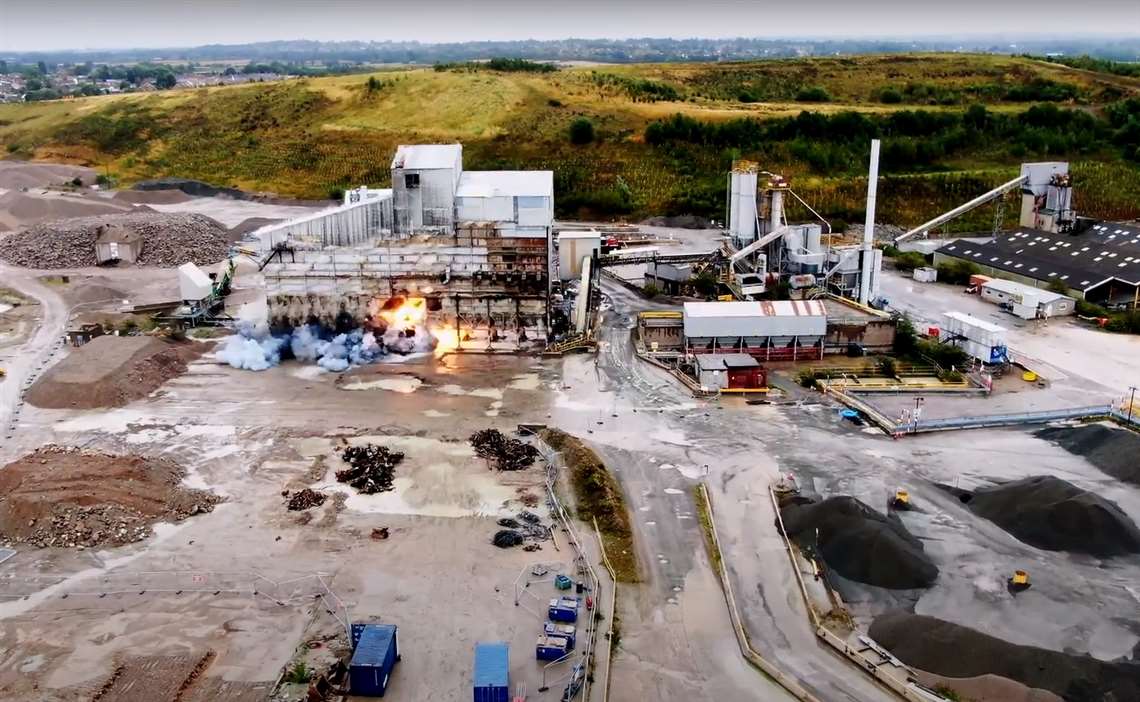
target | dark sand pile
[
  {"x": 956, "y": 651},
  {"x": 110, "y": 371},
  {"x": 1112, "y": 449},
  {"x": 71, "y": 497},
  {"x": 1055, "y": 515},
  {"x": 860, "y": 544}
]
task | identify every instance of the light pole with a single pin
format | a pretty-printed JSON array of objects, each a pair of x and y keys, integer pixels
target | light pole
[
  {"x": 917, "y": 411},
  {"x": 1131, "y": 401}
]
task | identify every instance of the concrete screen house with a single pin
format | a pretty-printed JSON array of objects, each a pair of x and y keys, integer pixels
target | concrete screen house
[
  {"x": 117, "y": 244},
  {"x": 472, "y": 248}
]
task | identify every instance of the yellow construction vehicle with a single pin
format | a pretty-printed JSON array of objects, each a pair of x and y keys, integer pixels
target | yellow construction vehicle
[
  {"x": 901, "y": 499},
  {"x": 1018, "y": 582}
]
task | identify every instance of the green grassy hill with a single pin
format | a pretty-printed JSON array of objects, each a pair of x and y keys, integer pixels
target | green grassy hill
[{"x": 308, "y": 138}]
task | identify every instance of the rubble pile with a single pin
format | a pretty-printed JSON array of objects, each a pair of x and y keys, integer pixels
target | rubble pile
[
  {"x": 73, "y": 498},
  {"x": 372, "y": 468},
  {"x": 166, "y": 240},
  {"x": 304, "y": 499},
  {"x": 859, "y": 543},
  {"x": 503, "y": 452}
]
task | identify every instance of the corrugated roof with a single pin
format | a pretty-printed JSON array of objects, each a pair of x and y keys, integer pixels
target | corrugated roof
[
  {"x": 1081, "y": 261},
  {"x": 764, "y": 308},
  {"x": 427, "y": 157},
  {"x": 723, "y": 361},
  {"x": 506, "y": 184},
  {"x": 492, "y": 664},
  {"x": 973, "y": 321}
]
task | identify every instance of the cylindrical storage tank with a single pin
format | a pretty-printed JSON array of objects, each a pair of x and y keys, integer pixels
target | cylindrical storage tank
[
  {"x": 814, "y": 238},
  {"x": 742, "y": 215},
  {"x": 794, "y": 238}
]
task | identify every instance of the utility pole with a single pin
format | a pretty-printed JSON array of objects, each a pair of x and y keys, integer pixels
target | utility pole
[
  {"x": 917, "y": 411},
  {"x": 1131, "y": 401}
]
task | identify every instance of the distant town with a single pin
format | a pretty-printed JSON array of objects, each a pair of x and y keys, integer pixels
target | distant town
[{"x": 31, "y": 82}]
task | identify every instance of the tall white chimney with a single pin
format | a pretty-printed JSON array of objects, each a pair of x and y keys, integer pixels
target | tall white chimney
[{"x": 869, "y": 226}]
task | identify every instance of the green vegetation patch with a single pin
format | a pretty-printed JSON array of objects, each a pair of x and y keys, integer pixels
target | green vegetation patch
[{"x": 598, "y": 497}]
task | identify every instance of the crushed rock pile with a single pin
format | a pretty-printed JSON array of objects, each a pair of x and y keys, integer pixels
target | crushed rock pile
[
  {"x": 167, "y": 240},
  {"x": 111, "y": 371},
  {"x": 1112, "y": 449},
  {"x": 70, "y": 497},
  {"x": 1053, "y": 514},
  {"x": 859, "y": 543},
  {"x": 303, "y": 499},
  {"x": 943, "y": 648}
]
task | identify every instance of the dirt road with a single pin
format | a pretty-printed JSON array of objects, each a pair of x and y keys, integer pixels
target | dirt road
[{"x": 33, "y": 356}]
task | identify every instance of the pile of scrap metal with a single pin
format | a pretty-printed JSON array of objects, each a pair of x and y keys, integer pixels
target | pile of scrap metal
[
  {"x": 372, "y": 468},
  {"x": 501, "y": 451}
]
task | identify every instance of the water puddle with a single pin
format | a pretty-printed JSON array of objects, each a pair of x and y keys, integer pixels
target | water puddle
[{"x": 403, "y": 384}]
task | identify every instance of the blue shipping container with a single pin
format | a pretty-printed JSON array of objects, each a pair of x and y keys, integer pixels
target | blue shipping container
[
  {"x": 565, "y": 631},
  {"x": 492, "y": 672},
  {"x": 373, "y": 660},
  {"x": 564, "y": 609},
  {"x": 550, "y": 648}
]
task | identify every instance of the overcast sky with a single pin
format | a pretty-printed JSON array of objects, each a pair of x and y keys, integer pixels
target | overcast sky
[{"x": 29, "y": 25}]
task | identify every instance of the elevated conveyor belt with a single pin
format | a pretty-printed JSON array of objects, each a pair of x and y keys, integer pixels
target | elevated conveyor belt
[{"x": 964, "y": 208}]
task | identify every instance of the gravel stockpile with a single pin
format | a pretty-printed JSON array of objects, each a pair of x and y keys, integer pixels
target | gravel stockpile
[
  {"x": 1110, "y": 448},
  {"x": 167, "y": 240},
  {"x": 955, "y": 651},
  {"x": 860, "y": 543},
  {"x": 110, "y": 371},
  {"x": 1055, "y": 515},
  {"x": 70, "y": 497}
]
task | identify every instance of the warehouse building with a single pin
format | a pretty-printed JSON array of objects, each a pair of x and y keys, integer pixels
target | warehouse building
[
  {"x": 468, "y": 251},
  {"x": 1026, "y": 301},
  {"x": 785, "y": 330},
  {"x": 1100, "y": 264}
]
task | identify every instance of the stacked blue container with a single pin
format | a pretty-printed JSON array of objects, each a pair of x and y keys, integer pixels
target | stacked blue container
[
  {"x": 373, "y": 659},
  {"x": 492, "y": 672}
]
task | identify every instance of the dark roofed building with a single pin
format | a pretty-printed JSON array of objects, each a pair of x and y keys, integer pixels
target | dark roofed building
[{"x": 1100, "y": 264}]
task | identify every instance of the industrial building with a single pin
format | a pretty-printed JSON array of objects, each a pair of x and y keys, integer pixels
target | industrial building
[
  {"x": 1097, "y": 261},
  {"x": 766, "y": 248},
  {"x": 786, "y": 330},
  {"x": 1100, "y": 264},
  {"x": 670, "y": 278},
  {"x": 1026, "y": 301},
  {"x": 467, "y": 252}
]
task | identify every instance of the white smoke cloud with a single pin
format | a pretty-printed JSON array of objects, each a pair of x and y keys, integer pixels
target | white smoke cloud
[{"x": 254, "y": 348}]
